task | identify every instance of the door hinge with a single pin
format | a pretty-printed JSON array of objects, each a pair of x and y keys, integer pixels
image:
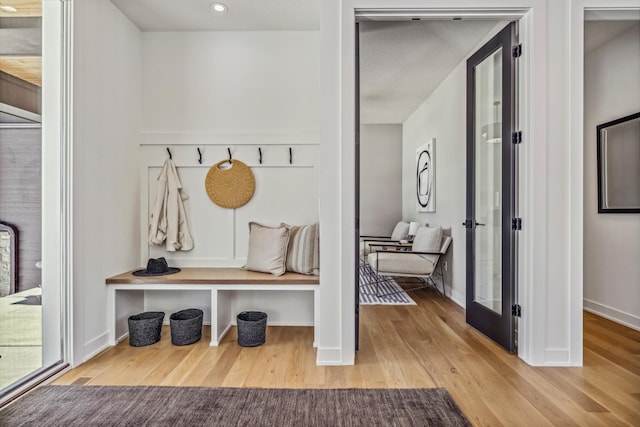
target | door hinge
[
  {"x": 516, "y": 310},
  {"x": 517, "y": 50},
  {"x": 516, "y": 223},
  {"x": 516, "y": 137}
]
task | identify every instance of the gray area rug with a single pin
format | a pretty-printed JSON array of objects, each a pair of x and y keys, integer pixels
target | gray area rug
[{"x": 198, "y": 406}]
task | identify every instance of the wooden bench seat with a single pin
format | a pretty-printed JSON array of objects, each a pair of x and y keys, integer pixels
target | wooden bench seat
[
  {"x": 214, "y": 280},
  {"x": 215, "y": 276}
]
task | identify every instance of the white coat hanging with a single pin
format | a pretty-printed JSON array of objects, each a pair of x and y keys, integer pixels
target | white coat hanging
[{"x": 168, "y": 219}]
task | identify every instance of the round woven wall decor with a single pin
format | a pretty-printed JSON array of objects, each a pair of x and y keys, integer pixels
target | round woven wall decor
[{"x": 230, "y": 185}]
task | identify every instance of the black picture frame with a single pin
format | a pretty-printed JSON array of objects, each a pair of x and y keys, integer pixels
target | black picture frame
[{"x": 624, "y": 180}]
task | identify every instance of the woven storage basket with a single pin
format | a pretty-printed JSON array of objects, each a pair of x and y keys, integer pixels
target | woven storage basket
[
  {"x": 230, "y": 186},
  {"x": 252, "y": 328},
  {"x": 145, "y": 328},
  {"x": 186, "y": 326}
]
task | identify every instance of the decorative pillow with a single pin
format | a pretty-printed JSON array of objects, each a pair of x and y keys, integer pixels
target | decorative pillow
[
  {"x": 303, "y": 252},
  {"x": 267, "y": 248},
  {"x": 428, "y": 239},
  {"x": 400, "y": 231}
]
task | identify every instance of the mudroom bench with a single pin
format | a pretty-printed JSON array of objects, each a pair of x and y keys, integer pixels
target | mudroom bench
[{"x": 219, "y": 281}]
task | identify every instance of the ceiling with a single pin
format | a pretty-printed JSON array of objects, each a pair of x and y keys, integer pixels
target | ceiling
[
  {"x": 597, "y": 33},
  {"x": 403, "y": 62},
  {"x": 242, "y": 15}
]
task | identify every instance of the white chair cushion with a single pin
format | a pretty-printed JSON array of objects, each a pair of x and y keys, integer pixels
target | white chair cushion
[
  {"x": 410, "y": 264},
  {"x": 428, "y": 239},
  {"x": 400, "y": 231}
]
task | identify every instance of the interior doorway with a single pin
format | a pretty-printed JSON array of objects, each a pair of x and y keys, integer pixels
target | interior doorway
[
  {"x": 414, "y": 129},
  {"x": 611, "y": 36}
]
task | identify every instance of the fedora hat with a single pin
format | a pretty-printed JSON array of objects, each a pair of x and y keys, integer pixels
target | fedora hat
[{"x": 156, "y": 267}]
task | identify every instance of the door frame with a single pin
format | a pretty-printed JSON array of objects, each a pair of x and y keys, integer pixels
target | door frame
[
  {"x": 521, "y": 15},
  {"x": 336, "y": 340},
  {"x": 57, "y": 47}
]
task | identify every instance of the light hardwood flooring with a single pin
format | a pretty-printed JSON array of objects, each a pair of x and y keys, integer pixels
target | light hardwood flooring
[{"x": 428, "y": 345}]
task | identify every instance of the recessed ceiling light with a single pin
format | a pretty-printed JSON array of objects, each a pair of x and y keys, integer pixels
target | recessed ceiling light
[
  {"x": 8, "y": 8},
  {"x": 218, "y": 7}
]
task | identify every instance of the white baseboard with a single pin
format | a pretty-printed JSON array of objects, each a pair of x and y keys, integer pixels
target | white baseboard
[
  {"x": 329, "y": 356},
  {"x": 95, "y": 346},
  {"x": 557, "y": 357},
  {"x": 618, "y": 316}
]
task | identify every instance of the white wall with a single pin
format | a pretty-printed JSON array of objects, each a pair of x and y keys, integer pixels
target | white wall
[
  {"x": 440, "y": 117},
  {"x": 231, "y": 82},
  {"x": 611, "y": 243},
  {"x": 106, "y": 121},
  {"x": 380, "y": 178},
  {"x": 237, "y": 90}
]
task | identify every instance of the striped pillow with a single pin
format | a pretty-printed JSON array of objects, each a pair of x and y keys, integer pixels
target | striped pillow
[{"x": 303, "y": 253}]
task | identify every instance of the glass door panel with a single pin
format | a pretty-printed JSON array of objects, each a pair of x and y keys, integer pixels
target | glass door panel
[{"x": 488, "y": 183}]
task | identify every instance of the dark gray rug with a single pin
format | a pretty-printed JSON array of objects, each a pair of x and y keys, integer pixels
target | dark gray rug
[{"x": 196, "y": 406}]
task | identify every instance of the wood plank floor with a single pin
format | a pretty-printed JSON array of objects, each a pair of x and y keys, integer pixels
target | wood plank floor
[{"x": 428, "y": 345}]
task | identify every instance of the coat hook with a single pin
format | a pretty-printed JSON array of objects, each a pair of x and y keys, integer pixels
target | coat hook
[
  {"x": 169, "y": 151},
  {"x": 199, "y": 156},
  {"x": 260, "y": 151},
  {"x": 229, "y": 151},
  {"x": 290, "y": 156}
]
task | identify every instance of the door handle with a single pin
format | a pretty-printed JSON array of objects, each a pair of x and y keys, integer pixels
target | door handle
[{"x": 469, "y": 224}]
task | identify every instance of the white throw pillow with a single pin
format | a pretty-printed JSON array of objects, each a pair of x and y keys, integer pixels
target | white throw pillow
[
  {"x": 400, "y": 231},
  {"x": 428, "y": 239},
  {"x": 267, "y": 248}
]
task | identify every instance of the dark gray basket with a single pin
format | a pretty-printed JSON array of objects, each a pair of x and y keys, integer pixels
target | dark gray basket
[
  {"x": 145, "y": 328},
  {"x": 252, "y": 328},
  {"x": 186, "y": 326}
]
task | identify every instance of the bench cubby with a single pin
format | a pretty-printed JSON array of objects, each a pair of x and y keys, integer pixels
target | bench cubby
[{"x": 221, "y": 284}]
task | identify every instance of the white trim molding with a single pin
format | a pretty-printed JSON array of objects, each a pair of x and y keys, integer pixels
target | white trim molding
[{"x": 613, "y": 314}]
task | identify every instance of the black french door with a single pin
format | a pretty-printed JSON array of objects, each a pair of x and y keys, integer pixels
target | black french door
[{"x": 491, "y": 201}]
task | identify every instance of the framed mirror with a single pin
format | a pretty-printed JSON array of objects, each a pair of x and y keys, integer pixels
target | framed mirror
[{"x": 619, "y": 165}]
